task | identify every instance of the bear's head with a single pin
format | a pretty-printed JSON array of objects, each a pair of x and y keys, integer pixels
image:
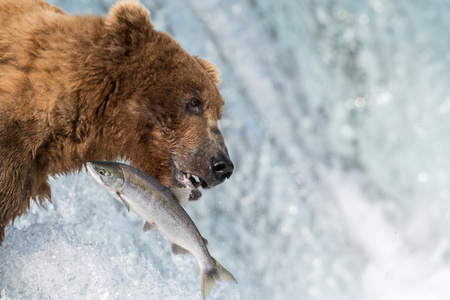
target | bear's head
[{"x": 164, "y": 105}]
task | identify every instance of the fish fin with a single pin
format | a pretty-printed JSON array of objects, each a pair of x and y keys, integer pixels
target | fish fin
[
  {"x": 177, "y": 249},
  {"x": 127, "y": 205},
  {"x": 182, "y": 195},
  {"x": 148, "y": 226},
  {"x": 209, "y": 277},
  {"x": 205, "y": 241}
]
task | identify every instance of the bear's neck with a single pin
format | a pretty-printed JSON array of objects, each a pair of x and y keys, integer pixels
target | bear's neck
[{"x": 79, "y": 111}]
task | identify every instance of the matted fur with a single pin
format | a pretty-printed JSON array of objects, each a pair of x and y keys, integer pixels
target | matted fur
[{"x": 78, "y": 88}]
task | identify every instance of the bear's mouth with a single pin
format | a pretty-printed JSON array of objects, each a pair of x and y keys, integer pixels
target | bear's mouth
[{"x": 192, "y": 181}]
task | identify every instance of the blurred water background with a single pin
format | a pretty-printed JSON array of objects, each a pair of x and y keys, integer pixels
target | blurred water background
[{"x": 336, "y": 119}]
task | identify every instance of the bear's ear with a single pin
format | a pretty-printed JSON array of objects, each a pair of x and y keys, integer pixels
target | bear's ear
[
  {"x": 210, "y": 68},
  {"x": 128, "y": 23}
]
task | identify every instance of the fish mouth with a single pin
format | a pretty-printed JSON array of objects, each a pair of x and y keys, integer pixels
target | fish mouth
[{"x": 192, "y": 181}]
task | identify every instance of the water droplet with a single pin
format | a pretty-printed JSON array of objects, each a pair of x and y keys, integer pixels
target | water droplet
[
  {"x": 422, "y": 177},
  {"x": 384, "y": 98},
  {"x": 360, "y": 102},
  {"x": 236, "y": 9},
  {"x": 285, "y": 230},
  {"x": 300, "y": 179},
  {"x": 363, "y": 19},
  {"x": 293, "y": 210},
  {"x": 293, "y": 169}
]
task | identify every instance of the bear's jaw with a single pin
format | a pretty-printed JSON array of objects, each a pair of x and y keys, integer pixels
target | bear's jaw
[{"x": 188, "y": 180}]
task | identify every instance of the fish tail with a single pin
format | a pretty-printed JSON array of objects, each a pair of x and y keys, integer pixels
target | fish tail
[{"x": 217, "y": 273}]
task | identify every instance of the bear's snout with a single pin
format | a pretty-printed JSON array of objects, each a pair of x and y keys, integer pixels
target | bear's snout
[{"x": 222, "y": 167}]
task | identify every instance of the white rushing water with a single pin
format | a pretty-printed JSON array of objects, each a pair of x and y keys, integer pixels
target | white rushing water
[{"x": 336, "y": 119}]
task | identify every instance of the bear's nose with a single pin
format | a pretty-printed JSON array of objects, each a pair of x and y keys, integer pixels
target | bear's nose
[{"x": 222, "y": 167}]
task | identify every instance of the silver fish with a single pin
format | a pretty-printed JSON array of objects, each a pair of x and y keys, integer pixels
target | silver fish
[{"x": 160, "y": 207}]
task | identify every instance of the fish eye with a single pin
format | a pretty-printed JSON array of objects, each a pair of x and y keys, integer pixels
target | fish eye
[{"x": 103, "y": 172}]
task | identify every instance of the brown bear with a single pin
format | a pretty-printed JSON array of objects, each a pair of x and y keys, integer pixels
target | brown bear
[{"x": 79, "y": 88}]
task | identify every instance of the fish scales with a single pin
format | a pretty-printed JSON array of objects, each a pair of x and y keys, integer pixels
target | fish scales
[{"x": 139, "y": 185}]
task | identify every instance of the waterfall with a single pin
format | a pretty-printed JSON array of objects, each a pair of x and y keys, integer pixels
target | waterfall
[{"x": 336, "y": 118}]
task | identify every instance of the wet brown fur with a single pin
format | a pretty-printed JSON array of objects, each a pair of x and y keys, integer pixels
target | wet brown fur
[{"x": 78, "y": 88}]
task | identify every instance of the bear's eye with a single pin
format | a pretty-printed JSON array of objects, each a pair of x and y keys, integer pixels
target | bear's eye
[{"x": 194, "y": 106}]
